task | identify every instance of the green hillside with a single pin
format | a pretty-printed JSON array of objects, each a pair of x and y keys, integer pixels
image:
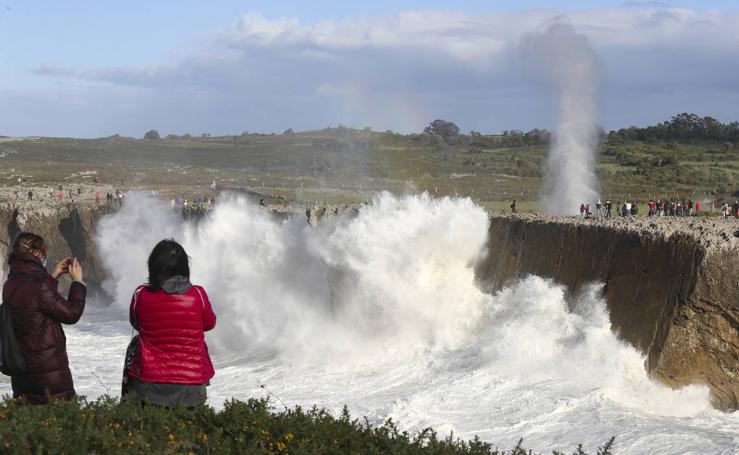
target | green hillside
[{"x": 342, "y": 164}]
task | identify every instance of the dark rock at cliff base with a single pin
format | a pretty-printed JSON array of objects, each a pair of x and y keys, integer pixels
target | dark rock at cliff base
[{"x": 671, "y": 285}]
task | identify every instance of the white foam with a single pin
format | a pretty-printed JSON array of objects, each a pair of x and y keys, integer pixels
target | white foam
[{"x": 381, "y": 312}]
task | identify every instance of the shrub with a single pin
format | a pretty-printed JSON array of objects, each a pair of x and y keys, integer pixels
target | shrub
[
  {"x": 152, "y": 134},
  {"x": 109, "y": 426}
]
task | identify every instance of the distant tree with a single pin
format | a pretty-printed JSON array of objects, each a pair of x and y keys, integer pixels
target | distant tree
[
  {"x": 513, "y": 138},
  {"x": 288, "y": 131},
  {"x": 187, "y": 136},
  {"x": 367, "y": 129},
  {"x": 244, "y": 133},
  {"x": 447, "y": 130},
  {"x": 172, "y": 137},
  {"x": 152, "y": 134},
  {"x": 684, "y": 127},
  {"x": 537, "y": 137},
  {"x": 204, "y": 135}
]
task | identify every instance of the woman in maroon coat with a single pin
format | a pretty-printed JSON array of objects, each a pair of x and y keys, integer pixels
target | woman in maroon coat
[
  {"x": 38, "y": 312},
  {"x": 172, "y": 366}
]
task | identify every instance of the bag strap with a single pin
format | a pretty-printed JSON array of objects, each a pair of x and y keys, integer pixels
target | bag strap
[
  {"x": 202, "y": 301},
  {"x": 133, "y": 310}
]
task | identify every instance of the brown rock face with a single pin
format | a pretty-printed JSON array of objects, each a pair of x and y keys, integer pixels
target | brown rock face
[
  {"x": 68, "y": 231},
  {"x": 671, "y": 297}
]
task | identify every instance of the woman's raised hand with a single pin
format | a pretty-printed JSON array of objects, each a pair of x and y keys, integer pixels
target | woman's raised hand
[
  {"x": 61, "y": 268},
  {"x": 75, "y": 270}
]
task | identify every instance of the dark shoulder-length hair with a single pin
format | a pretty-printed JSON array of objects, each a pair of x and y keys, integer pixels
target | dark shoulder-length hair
[
  {"x": 166, "y": 260},
  {"x": 28, "y": 242}
]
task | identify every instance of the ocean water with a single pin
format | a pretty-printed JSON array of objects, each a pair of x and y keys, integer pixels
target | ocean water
[{"x": 380, "y": 312}]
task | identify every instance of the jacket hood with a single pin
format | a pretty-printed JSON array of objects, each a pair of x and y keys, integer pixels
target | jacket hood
[
  {"x": 177, "y": 284},
  {"x": 25, "y": 263}
]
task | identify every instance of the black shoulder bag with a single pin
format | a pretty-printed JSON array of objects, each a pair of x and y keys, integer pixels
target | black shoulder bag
[
  {"x": 11, "y": 359},
  {"x": 133, "y": 351}
]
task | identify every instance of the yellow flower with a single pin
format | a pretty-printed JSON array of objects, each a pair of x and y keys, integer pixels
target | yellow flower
[
  {"x": 289, "y": 437},
  {"x": 281, "y": 446},
  {"x": 204, "y": 437}
]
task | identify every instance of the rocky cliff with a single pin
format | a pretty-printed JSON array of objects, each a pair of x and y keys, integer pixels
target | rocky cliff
[
  {"x": 68, "y": 230},
  {"x": 671, "y": 285}
]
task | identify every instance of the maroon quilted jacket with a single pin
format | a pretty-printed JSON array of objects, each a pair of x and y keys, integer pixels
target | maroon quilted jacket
[
  {"x": 38, "y": 311},
  {"x": 172, "y": 330}
]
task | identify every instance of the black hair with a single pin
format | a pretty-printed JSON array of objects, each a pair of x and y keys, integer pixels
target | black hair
[{"x": 166, "y": 260}]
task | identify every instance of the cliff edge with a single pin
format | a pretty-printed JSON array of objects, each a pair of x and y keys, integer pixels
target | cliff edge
[{"x": 671, "y": 285}]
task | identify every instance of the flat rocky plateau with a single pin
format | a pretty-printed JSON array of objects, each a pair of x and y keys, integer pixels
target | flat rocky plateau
[{"x": 712, "y": 232}]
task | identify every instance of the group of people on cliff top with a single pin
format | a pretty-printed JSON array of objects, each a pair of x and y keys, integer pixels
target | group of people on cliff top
[
  {"x": 673, "y": 208},
  {"x": 679, "y": 208},
  {"x": 166, "y": 364},
  {"x": 730, "y": 210},
  {"x": 659, "y": 208}
]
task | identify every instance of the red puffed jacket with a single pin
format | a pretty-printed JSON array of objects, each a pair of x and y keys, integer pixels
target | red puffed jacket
[{"x": 172, "y": 330}]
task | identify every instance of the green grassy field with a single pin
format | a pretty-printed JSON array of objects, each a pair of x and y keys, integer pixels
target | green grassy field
[{"x": 343, "y": 165}]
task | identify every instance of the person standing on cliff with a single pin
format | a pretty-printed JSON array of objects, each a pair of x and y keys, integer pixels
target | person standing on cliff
[
  {"x": 609, "y": 207},
  {"x": 38, "y": 311},
  {"x": 513, "y": 207},
  {"x": 598, "y": 208}
]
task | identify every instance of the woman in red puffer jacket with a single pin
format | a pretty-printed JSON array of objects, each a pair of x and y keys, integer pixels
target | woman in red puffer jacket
[{"x": 172, "y": 366}]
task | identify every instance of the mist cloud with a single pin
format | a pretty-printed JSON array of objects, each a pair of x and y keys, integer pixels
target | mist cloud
[{"x": 566, "y": 63}]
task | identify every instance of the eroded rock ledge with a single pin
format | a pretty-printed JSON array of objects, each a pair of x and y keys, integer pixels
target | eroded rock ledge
[
  {"x": 671, "y": 285},
  {"x": 68, "y": 229}
]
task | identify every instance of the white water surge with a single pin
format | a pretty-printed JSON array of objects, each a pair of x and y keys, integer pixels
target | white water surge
[{"x": 381, "y": 312}]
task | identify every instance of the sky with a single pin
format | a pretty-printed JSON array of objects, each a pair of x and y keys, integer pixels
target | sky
[{"x": 96, "y": 68}]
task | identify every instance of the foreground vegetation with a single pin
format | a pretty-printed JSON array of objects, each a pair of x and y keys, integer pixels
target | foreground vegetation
[{"x": 109, "y": 426}]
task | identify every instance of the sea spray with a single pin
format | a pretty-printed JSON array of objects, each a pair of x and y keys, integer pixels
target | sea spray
[
  {"x": 381, "y": 312},
  {"x": 397, "y": 277},
  {"x": 565, "y": 62}
]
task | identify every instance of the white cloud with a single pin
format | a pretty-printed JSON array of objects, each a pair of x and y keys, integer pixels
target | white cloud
[{"x": 429, "y": 64}]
